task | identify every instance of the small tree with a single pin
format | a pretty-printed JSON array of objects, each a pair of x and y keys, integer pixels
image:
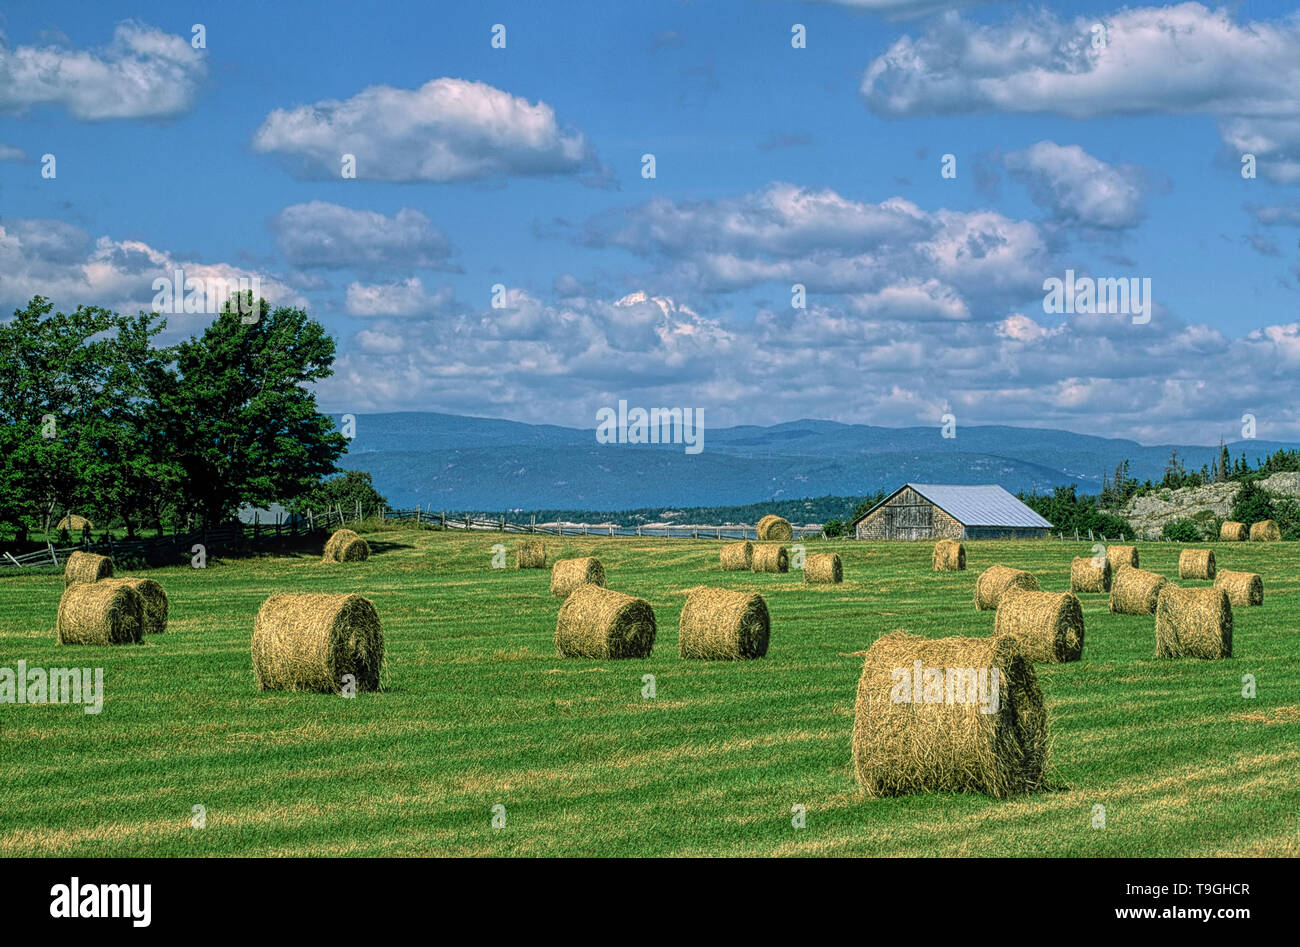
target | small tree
[{"x": 1252, "y": 504}]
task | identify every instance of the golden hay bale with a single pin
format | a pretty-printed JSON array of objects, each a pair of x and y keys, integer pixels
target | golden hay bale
[
  {"x": 948, "y": 556},
  {"x": 737, "y": 556},
  {"x": 601, "y": 623},
  {"x": 1265, "y": 531},
  {"x": 309, "y": 642},
  {"x": 531, "y": 555},
  {"x": 86, "y": 567},
  {"x": 1049, "y": 625},
  {"x": 1135, "y": 591},
  {"x": 770, "y": 559},
  {"x": 906, "y": 742},
  {"x": 346, "y": 546},
  {"x": 995, "y": 580},
  {"x": 1233, "y": 532},
  {"x": 774, "y": 528},
  {"x": 568, "y": 574},
  {"x": 1243, "y": 588},
  {"x": 1193, "y": 623},
  {"x": 1196, "y": 564},
  {"x": 722, "y": 625},
  {"x": 823, "y": 567},
  {"x": 1087, "y": 576},
  {"x": 155, "y": 602},
  {"x": 99, "y": 613},
  {"x": 1121, "y": 556},
  {"x": 74, "y": 523}
]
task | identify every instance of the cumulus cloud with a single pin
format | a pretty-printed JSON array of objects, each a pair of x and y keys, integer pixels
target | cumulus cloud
[
  {"x": 1181, "y": 59},
  {"x": 142, "y": 73},
  {"x": 1078, "y": 189},
  {"x": 446, "y": 130},
  {"x": 404, "y": 298},
  {"x": 10, "y": 153},
  {"x": 320, "y": 234}
]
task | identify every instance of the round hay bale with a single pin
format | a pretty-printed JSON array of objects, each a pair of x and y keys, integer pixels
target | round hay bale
[
  {"x": 99, "y": 613},
  {"x": 904, "y": 743},
  {"x": 722, "y": 625},
  {"x": 774, "y": 528},
  {"x": 1087, "y": 576},
  {"x": 1196, "y": 564},
  {"x": 1265, "y": 531},
  {"x": 823, "y": 567},
  {"x": 1135, "y": 591},
  {"x": 1049, "y": 625},
  {"x": 1121, "y": 556},
  {"x": 1233, "y": 532},
  {"x": 1243, "y": 588},
  {"x": 770, "y": 559},
  {"x": 531, "y": 555},
  {"x": 736, "y": 557},
  {"x": 86, "y": 567},
  {"x": 995, "y": 580},
  {"x": 1193, "y": 623},
  {"x": 74, "y": 523},
  {"x": 948, "y": 556},
  {"x": 568, "y": 574},
  {"x": 155, "y": 602},
  {"x": 345, "y": 545},
  {"x": 309, "y": 642},
  {"x": 600, "y": 623}
]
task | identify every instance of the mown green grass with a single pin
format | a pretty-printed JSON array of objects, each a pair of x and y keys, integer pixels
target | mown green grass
[{"x": 478, "y": 711}]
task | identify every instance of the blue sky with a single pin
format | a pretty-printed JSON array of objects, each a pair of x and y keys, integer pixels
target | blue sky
[{"x": 774, "y": 165}]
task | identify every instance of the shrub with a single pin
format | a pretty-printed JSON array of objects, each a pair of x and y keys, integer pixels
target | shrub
[
  {"x": 1182, "y": 531},
  {"x": 832, "y": 529},
  {"x": 1252, "y": 504}
]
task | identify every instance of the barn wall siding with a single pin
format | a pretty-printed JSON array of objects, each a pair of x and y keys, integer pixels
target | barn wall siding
[{"x": 910, "y": 516}]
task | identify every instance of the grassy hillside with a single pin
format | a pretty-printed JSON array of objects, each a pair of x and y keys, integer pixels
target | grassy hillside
[{"x": 478, "y": 711}]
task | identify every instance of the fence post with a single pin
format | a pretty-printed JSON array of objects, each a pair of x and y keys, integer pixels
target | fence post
[{"x": 1076, "y": 534}]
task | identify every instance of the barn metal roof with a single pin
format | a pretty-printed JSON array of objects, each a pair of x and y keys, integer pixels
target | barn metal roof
[{"x": 981, "y": 505}]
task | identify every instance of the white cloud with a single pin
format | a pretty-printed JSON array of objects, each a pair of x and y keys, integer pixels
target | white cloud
[
  {"x": 143, "y": 73},
  {"x": 1181, "y": 59},
  {"x": 1077, "y": 188},
  {"x": 404, "y": 298},
  {"x": 320, "y": 234},
  {"x": 10, "y": 153},
  {"x": 446, "y": 130}
]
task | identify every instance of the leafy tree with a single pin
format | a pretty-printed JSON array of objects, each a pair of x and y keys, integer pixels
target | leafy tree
[
  {"x": 1252, "y": 504},
  {"x": 834, "y": 528},
  {"x": 345, "y": 490},
  {"x": 243, "y": 424},
  {"x": 1182, "y": 531}
]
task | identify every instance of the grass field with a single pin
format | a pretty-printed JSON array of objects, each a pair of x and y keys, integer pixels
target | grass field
[{"x": 477, "y": 711}]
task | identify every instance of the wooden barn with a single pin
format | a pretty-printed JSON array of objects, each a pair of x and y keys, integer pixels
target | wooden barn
[{"x": 944, "y": 511}]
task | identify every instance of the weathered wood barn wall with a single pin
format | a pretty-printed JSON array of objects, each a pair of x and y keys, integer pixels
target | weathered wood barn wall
[{"x": 908, "y": 515}]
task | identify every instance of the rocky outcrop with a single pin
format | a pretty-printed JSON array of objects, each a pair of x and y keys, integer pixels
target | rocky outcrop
[{"x": 1147, "y": 515}]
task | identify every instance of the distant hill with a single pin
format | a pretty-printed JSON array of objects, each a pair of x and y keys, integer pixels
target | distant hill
[{"x": 456, "y": 463}]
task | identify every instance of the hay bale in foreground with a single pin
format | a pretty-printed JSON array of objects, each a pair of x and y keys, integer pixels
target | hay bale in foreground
[
  {"x": 1121, "y": 556},
  {"x": 99, "y": 613},
  {"x": 1265, "y": 531},
  {"x": 601, "y": 623},
  {"x": 722, "y": 625},
  {"x": 1048, "y": 625},
  {"x": 1087, "y": 576},
  {"x": 1233, "y": 532},
  {"x": 774, "y": 528},
  {"x": 948, "y": 556},
  {"x": 1243, "y": 588},
  {"x": 86, "y": 567},
  {"x": 1135, "y": 591},
  {"x": 309, "y": 642},
  {"x": 531, "y": 555},
  {"x": 995, "y": 580},
  {"x": 903, "y": 744},
  {"x": 154, "y": 598},
  {"x": 1193, "y": 623},
  {"x": 344, "y": 545},
  {"x": 823, "y": 567},
  {"x": 1196, "y": 564},
  {"x": 568, "y": 574},
  {"x": 770, "y": 559},
  {"x": 736, "y": 557}
]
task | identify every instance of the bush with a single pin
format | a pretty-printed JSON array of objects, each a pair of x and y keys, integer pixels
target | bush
[
  {"x": 833, "y": 529},
  {"x": 1287, "y": 514},
  {"x": 1182, "y": 531},
  {"x": 1252, "y": 504}
]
